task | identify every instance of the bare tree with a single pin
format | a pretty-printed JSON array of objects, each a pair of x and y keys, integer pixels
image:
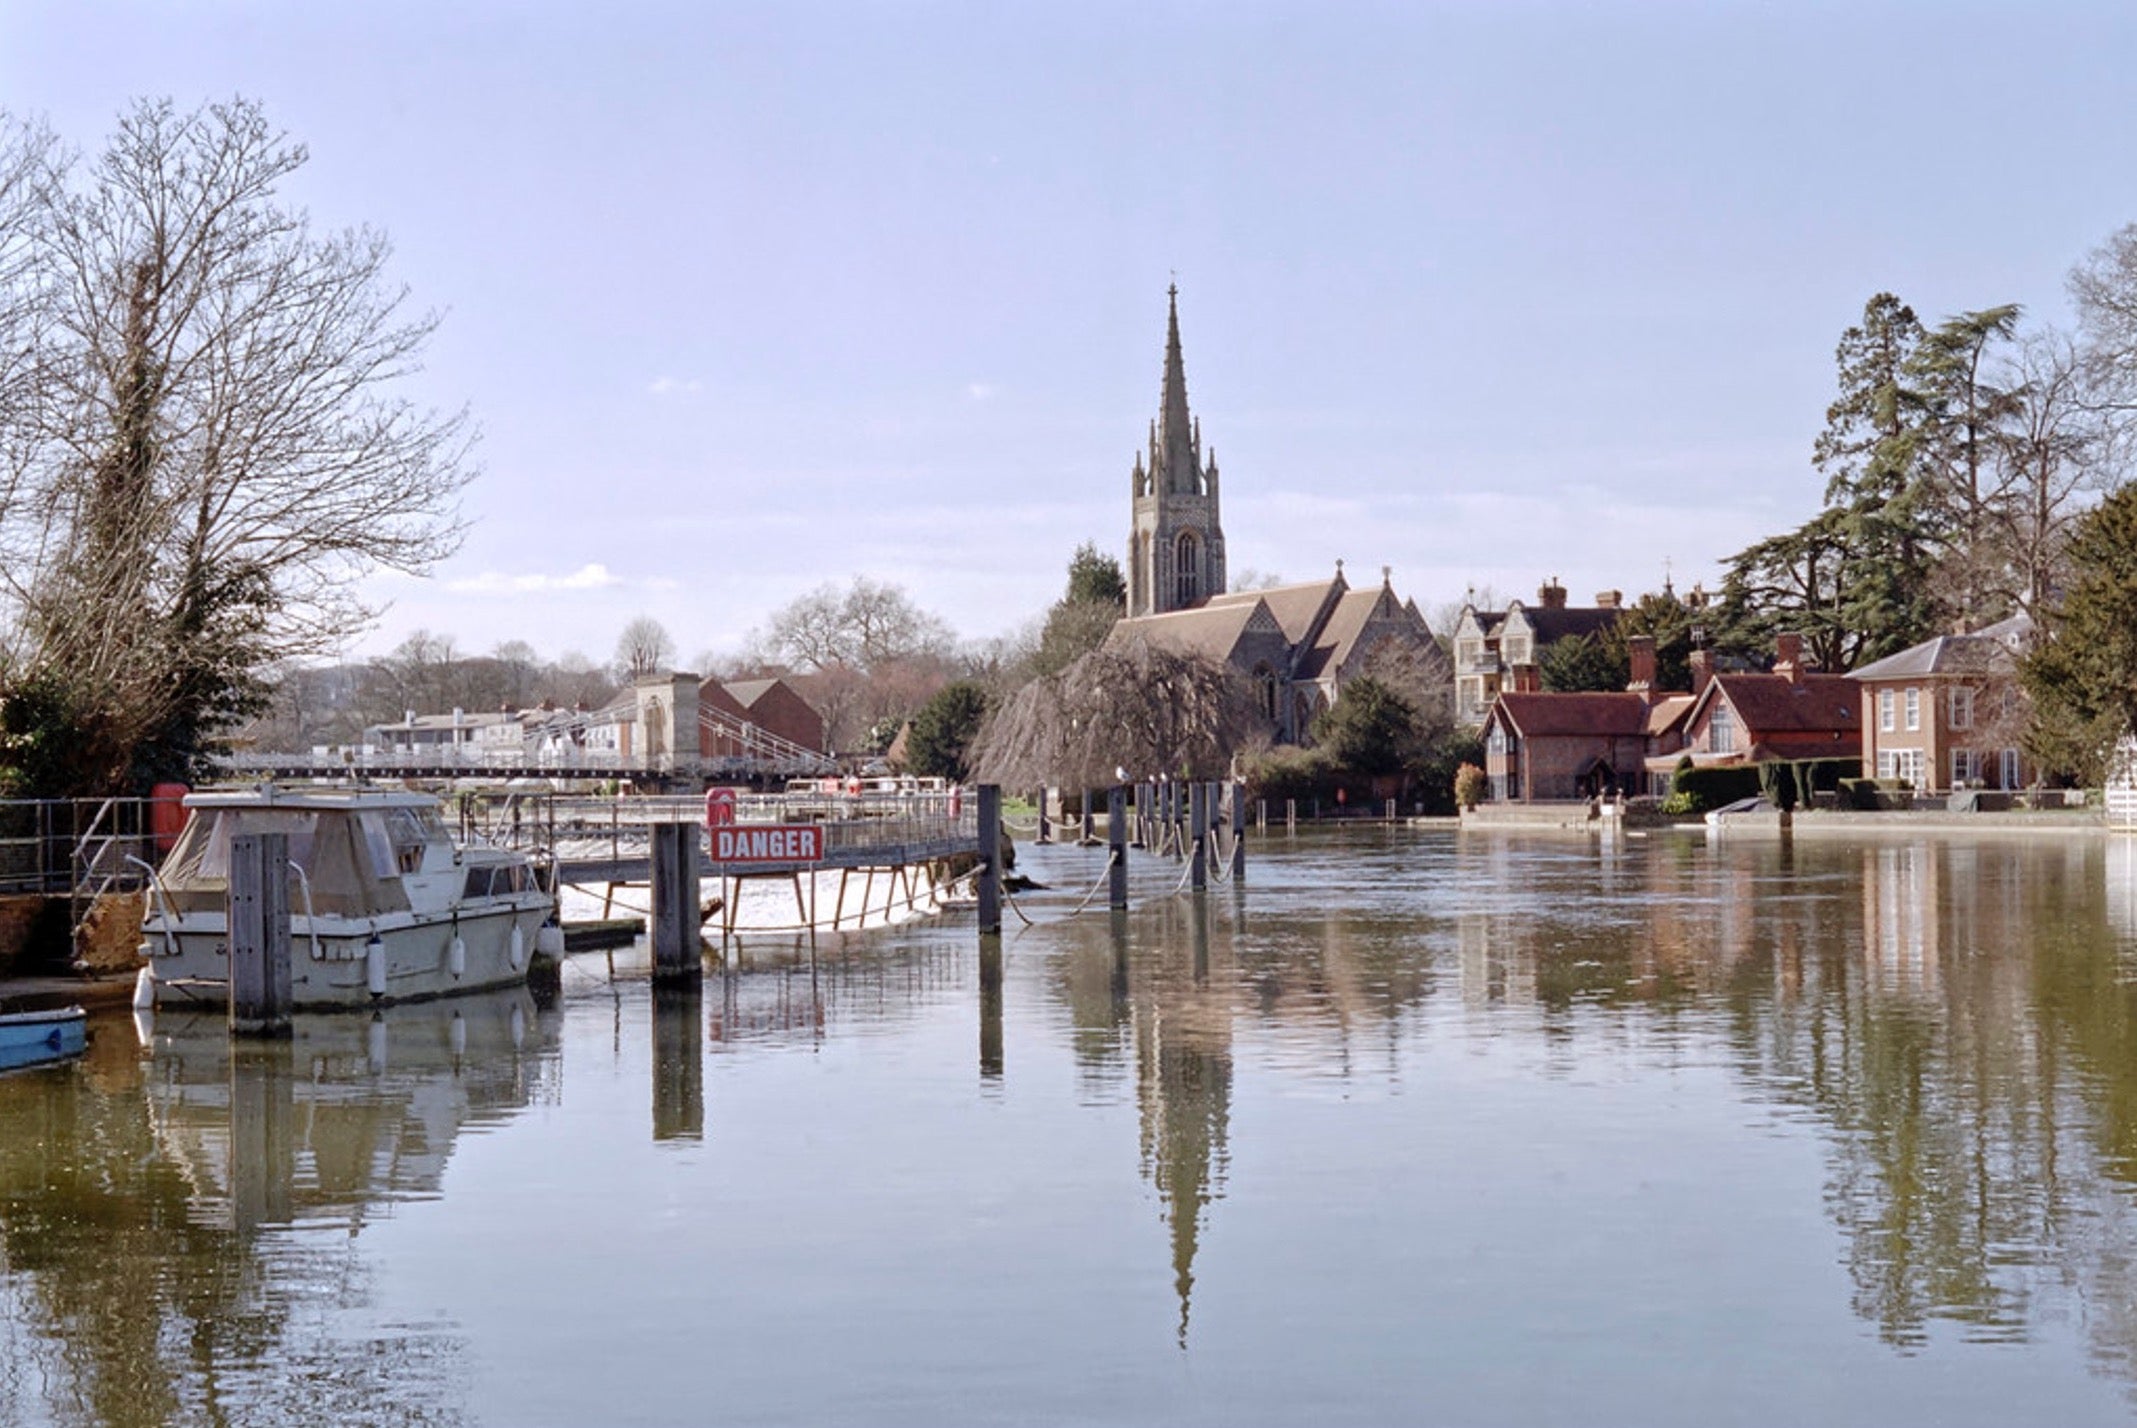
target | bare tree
[
  {"x": 864, "y": 626},
  {"x": 2057, "y": 447},
  {"x": 212, "y": 455},
  {"x": 643, "y": 648}
]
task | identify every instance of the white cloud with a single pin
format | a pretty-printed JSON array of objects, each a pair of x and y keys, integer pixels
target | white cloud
[
  {"x": 496, "y": 582},
  {"x": 672, "y": 386}
]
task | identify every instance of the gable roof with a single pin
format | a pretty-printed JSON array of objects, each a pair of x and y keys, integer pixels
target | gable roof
[
  {"x": 1553, "y": 625},
  {"x": 1296, "y": 608},
  {"x": 1590, "y": 715},
  {"x": 1775, "y": 703}
]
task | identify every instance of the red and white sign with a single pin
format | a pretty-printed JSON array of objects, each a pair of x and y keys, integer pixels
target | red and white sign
[
  {"x": 768, "y": 843},
  {"x": 719, "y": 807}
]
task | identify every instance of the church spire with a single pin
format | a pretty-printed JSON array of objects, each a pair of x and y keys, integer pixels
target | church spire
[{"x": 1176, "y": 430}]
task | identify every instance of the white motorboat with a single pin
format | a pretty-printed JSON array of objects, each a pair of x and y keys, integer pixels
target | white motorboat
[{"x": 383, "y": 906}]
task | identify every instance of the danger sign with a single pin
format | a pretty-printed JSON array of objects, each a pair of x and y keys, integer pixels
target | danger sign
[{"x": 768, "y": 843}]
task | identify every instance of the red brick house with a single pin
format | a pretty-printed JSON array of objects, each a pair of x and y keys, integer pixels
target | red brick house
[
  {"x": 770, "y": 704},
  {"x": 1541, "y": 745},
  {"x": 1948, "y": 713},
  {"x": 1794, "y": 712}
]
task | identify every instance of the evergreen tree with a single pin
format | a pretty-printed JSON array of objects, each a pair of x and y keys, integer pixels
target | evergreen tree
[
  {"x": 2083, "y": 675},
  {"x": 940, "y": 743},
  {"x": 1584, "y": 662},
  {"x": 1371, "y": 730},
  {"x": 1968, "y": 431}
]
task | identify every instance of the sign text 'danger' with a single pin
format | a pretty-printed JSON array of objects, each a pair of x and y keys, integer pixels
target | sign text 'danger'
[{"x": 772, "y": 843}]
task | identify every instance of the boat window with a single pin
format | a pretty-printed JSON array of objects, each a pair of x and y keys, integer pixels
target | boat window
[
  {"x": 409, "y": 829},
  {"x": 478, "y": 883}
]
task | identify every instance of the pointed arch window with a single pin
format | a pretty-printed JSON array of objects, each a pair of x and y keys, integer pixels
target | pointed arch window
[
  {"x": 1265, "y": 689},
  {"x": 1186, "y": 570}
]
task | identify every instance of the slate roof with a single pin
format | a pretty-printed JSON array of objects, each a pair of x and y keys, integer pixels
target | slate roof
[
  {"x": 1554, "y": 625},
  {"x": 1295, "y": 607},
  {"x": 1986, "y": 652},
  {"x": 1339, "y": 637},
  {"x": 1211, "y": 631}
]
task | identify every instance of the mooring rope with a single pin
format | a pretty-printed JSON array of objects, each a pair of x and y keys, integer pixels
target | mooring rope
[{"x": 1111, "y": 855}]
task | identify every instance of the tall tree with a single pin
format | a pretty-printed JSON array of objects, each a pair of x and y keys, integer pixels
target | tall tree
[
  {"x": 1968, "y": 410},
  {"x": 940, "y": 744},
  {"x": 1872, "y": 454},
  {"x": 212, "y": 453},
  {"x": 2082, "y": 674}
]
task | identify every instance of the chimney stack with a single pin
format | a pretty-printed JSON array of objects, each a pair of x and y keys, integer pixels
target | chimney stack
[
  {"x": 1640, "y": 654},
  {"x": 1551, "y": 595},
  {"x": 1702, "y": 670},
  {"x": 1528, "y": 679},
  {"x": 1609, "y": 599},
  {"x": 1788, "y": 657}
]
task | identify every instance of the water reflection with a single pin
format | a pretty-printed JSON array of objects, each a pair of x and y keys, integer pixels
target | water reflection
[{"x": 178, "y": 1229}]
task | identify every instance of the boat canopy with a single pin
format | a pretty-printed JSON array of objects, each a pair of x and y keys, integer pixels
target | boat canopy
[{"x": 352, "y": 858}]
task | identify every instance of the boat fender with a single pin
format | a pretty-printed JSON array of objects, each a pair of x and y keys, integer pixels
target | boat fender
[
  {"x": 549, "y": 940},
  {"x": 518, "y": 1026},
  {"x": 519, "y": 948},
  {"x": 456, "y": 956},
  {"x": 144, "y": 988},
  {"x": 456, "y": 1037},
  {"x": 375, "y": 1045},
  {"x": 375, "y": 966}
]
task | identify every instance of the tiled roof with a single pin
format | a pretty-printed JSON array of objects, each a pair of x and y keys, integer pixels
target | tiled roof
[
  {"x": 1775, "y": 704},
  {"x": 1295, "y": 607},
  {"x": 1596, "y": 715},
  {"x": 1213, "y": 631},
  {"x": 1667, "y": 712},
  {"x": 1553, "y": 625}
]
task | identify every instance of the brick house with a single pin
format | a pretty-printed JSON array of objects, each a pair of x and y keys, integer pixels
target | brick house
[
  {"x": 1540, "y": 745},
  {"x": 773, "y": 706},
  {"x": 1948, "y": 713},
  {"x": 1794, "y": 712},
  {"x": 1490, "y": 644}
]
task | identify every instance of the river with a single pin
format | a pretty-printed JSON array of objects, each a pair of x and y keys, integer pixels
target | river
[{"x": 1412, "y": 1126}]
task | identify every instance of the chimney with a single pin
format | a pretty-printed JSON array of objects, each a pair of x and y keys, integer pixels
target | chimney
[
  {"x": 1788, "y": 657},
  {"x": 1640, "y": 653},
  {"x": 1551, "y": 595},
  {"x": 459, "y": 716},
  {"x": 1702, "y": 670},
  {"x": 1609, "y": 599},
  {"x": 1528, "y": 679},
  {"x": 408, "y": 717}
]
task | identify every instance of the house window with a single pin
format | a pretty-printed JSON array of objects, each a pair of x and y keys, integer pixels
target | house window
[
  {"x": 1721, "y": 729},
  {"x": 1962, "y": 708},
  {"x": 2010, "y": 769},
  {"x": 1187, "y": 570},
  {"x": 1914, "y": 709},
  {"x": 1496, "y": 744},
  {"x": 1903, "y": 764},
  {"x": 1468, "y": 652},
  {"x": 1965, "y": 767},
  {"x": 1517, "y": 651},
  {"x": 1884, "y": 710}
]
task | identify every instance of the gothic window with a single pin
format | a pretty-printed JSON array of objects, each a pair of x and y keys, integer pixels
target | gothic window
[
  {"x": 1265, "y": 687},
  {"x": 1186, "y": 571}
]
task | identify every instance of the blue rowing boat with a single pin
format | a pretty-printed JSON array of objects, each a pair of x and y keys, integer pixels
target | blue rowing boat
[{"x": 29, "y": 1038}]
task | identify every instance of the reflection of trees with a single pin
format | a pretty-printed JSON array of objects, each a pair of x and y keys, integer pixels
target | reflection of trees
[{"x": 176, "y": 1234}]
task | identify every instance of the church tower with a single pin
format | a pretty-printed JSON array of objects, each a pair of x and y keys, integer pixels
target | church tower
[{"x": 1175, "y": 546}]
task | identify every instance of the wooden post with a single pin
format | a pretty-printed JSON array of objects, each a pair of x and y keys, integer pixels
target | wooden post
[
  {"x": 676, "y": 914},
  {"x": 1088, "y": 835},
  {"x": 1391, "y": 810},
  {"x": 1046, "y": 826},
  {"x": 257, "y": 916},
  {"x": 1291, "y": 815},
  {"x": 1198, "y": 826},
  {"x": 1117, "y": 847},
  {"x": 990, "y": 858},
  {"x": 1239, "y": 829}
]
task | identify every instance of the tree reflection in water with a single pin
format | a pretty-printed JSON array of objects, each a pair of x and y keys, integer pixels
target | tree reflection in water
[{"x": 180, "y": 1233}]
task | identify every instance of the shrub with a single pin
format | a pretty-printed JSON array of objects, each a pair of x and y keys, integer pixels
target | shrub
[
  {"x": 1711, "y": 788},
  {"x": 1470, "y": 785}
]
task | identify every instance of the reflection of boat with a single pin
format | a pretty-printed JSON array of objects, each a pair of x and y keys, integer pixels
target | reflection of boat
[
  {"x": 347, "y": 1112},
  {"x": 30, "y": 1038},
  {"x": 382, "y": 906}
]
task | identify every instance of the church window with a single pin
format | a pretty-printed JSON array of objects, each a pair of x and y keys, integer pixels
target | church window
[
  {"x": 1187, "y": 571},
  {"x": 1265, "y": 685}
]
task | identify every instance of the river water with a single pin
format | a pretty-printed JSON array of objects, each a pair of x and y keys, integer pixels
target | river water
[{"x": 1413, "y": 1126}]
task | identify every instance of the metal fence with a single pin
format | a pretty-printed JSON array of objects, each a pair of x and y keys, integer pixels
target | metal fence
[{"x": 68, "y": 846}]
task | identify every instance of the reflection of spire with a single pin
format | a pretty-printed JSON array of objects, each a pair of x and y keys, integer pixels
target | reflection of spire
[{"x": 1184, "y": 1061}]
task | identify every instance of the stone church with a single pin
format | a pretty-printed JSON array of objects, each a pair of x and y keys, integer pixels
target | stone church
[{"x": 1299, "y": 644}]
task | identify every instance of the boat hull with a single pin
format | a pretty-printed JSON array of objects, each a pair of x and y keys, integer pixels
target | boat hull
[
  {"x": 32, "y": 1038},
  {"x": 331, "y": 962}
]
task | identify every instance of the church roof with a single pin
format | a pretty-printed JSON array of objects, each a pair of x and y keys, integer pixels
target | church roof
[
  {"x": 1212, "y": 631},
  {"x": 1338, "y": 638},
  {"x": 1297, "y": 608}
]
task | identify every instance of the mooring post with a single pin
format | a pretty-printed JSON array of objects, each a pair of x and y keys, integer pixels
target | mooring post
[
  {"x": 1239, "y": 828},
  {"x": 676, "y": 914},
  {"x": 1291, "y": 815},
  {"x": 257, "y": 916},
  {"x": 1117, "y": 847},
  {"x": 1198, "y": 822},
  {"x": 1046, "y": 827},
  {"x": 990, "y": 858},
  {"x": 1088, "y": 836}
]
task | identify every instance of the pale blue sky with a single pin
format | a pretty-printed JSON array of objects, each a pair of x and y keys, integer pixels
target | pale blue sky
[{"x": 749, "y": 298}]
